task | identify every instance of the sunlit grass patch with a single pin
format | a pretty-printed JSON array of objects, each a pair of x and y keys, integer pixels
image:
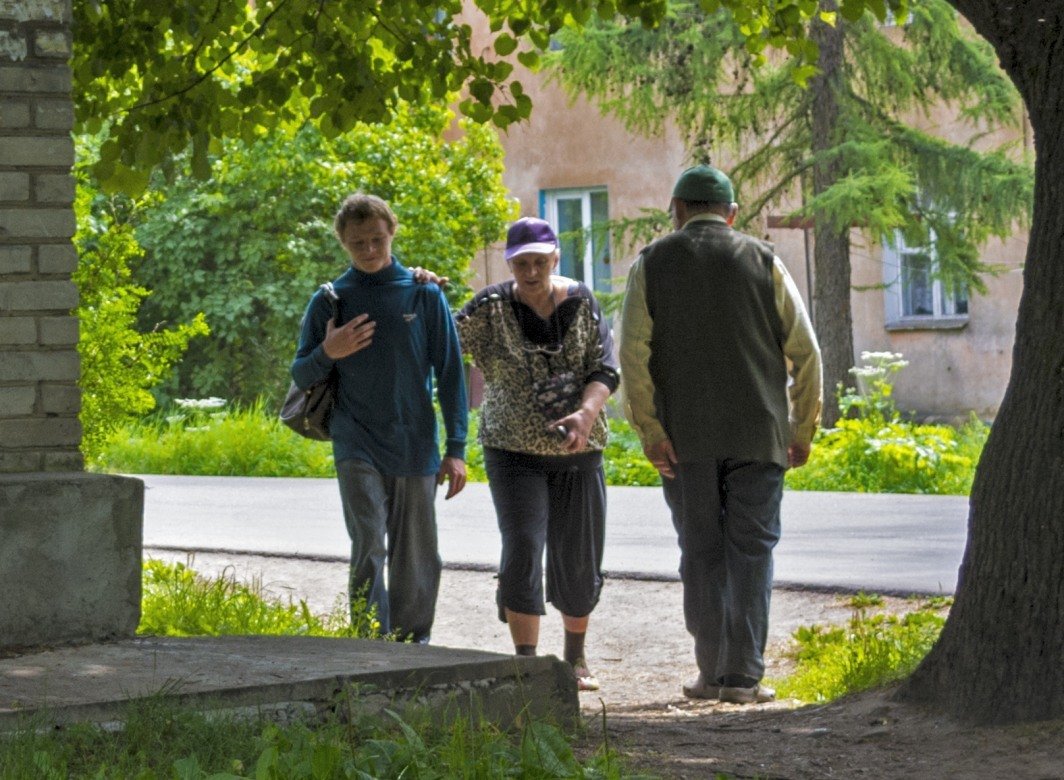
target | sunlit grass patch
[
  {"x": 872, "y": 650},
  {"x": 177, "y": 601}
]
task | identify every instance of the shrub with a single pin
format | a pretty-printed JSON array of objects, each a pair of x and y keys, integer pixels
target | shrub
[
  {"x": 872, "y": 450},
  {"x": 120, "y": 364},
  {"x": 624, "y": 460},
  {"x": 250, "y": 243},
  {"x": 202, "y": 438}
]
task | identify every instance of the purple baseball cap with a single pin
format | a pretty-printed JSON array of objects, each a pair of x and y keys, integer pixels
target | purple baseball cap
[{"x": 529, "y": 234}]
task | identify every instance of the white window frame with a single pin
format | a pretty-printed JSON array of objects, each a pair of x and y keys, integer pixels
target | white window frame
[
  {"x": 944, "y": 312},
  {"x": 549, "y": 207}
]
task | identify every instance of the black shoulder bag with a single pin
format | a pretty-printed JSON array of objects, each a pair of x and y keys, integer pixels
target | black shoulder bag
[{"x": 307, "y": 411}]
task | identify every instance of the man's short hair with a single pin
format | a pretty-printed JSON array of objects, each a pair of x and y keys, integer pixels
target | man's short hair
[{"x": 359, "y": 207}]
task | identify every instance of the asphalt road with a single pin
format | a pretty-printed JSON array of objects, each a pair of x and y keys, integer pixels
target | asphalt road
[{"x": 884, "y": 543}]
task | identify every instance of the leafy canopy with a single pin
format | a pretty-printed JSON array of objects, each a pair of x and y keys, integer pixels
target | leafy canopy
[
  {"x": 161, "y": 76},
  {"x": 697, "y": 70}
]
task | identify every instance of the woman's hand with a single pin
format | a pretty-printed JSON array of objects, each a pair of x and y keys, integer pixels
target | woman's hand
[
  {"x": 578, "y": 424},
  {"x": 349, "y": 338},
  {"x": 425, "y": 276},
  {"x": 577, "y": 429}
]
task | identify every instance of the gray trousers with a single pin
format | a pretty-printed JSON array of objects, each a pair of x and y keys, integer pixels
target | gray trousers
[
  {"x": 392, "y": 525},
  {"x": 727, "y": 519}
]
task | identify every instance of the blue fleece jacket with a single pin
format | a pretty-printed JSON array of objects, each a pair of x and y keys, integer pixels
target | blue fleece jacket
[{"x": 383, "y": 411}]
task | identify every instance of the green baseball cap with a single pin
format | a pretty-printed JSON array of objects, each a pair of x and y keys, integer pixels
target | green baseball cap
[{"x": 705, "y": 184}]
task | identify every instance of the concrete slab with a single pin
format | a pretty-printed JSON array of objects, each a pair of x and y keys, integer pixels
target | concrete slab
[{"x": 97, "y": 682}]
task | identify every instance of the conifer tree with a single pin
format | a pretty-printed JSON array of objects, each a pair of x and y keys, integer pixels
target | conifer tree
[{"x": 838, "y": 139}]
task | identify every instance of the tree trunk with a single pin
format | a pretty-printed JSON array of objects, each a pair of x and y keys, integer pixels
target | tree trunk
[
  {"x": 831, "y": 256},
  {"x": 1000, "y": 658}
]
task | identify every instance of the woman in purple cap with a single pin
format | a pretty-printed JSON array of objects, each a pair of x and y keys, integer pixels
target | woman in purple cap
[{"x": 547, "y": 358}]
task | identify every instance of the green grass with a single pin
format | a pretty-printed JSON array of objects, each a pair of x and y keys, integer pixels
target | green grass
[
  {"x": 240, "y": 442},
  {"x": 161, "y": 741},
  {"x": 176, "y": 601},
  {"x": 870, "y": 455},
  {"x": 873, "y": 650}
]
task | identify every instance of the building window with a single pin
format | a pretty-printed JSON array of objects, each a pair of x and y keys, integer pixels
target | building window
[
  {"x": 914, "y": 296},
  {"x": 580, "y": 216}
]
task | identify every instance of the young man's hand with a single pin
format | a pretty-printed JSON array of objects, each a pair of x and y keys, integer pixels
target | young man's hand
[
  {"x": 452, "y": 470},
  {"x": 349, "y": 338}
]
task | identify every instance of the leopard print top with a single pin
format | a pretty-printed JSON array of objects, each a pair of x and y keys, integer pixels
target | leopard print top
[{"x": 510, "y": 418}]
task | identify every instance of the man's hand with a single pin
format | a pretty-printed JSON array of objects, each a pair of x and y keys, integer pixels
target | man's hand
[
  {"x": 452, "y": 470},
  {"x": 798, "y": 455},
  {"x": 662, "y": 457},
  {"x": 425, "y": 276},
  {"x": 349, "y": 338}
]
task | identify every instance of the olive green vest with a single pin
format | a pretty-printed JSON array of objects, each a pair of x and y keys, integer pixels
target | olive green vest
[{"x": 717, "y": 361}]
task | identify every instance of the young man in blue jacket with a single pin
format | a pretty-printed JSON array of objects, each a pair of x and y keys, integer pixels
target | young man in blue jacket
[{"x": 395, "y": 339}]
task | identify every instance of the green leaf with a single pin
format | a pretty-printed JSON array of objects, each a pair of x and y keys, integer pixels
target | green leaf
[
  {"x": 852, "y": 10},
  {"x": 530, "y": 59},
  {"x": 482, "y": 90},
  {"x": 505, "y": 45}
]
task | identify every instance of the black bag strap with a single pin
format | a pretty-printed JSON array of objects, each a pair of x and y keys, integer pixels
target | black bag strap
[{"x": 329, "y": 292}]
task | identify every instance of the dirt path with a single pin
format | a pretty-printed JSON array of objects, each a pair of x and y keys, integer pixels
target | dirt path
[{"x": 638, "y": 648}]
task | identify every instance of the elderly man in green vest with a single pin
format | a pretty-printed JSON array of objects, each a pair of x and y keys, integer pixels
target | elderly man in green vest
[{"x": 723, "y": 384}]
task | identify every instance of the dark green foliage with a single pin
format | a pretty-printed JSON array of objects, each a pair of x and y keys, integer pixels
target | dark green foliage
[
  {"x": 161, "y": 78},
  {"x": 164, "y": 78},
  {"x": 161, "y": 740}
]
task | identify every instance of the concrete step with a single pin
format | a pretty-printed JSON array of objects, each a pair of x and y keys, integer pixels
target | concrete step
[{"x": 279, "y": 677}]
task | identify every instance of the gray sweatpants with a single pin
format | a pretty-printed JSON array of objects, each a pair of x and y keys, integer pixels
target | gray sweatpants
[
  {"x": 727, "y": 519},
  {"x": 392, "y": 525}
]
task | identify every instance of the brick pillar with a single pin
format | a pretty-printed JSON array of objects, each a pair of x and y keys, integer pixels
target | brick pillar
[
  {"x": 39, "y": 399},
  {"x": 70, "y": 542}
]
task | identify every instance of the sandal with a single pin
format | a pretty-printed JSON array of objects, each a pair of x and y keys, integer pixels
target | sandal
[{"x": 585, "y": 681}]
